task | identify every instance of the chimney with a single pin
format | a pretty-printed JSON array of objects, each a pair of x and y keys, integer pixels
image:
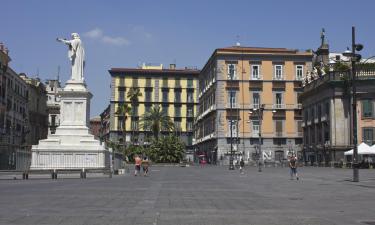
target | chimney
[{"x": 172, "y": 66}]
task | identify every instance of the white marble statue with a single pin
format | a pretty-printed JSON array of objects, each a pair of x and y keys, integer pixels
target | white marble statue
[{"x": 76, "y": 55}]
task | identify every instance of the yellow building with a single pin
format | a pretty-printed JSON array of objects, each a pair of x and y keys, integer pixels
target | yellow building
[
  {"x": 246, "y": 89},
  {"x": 174, "y": 90}
]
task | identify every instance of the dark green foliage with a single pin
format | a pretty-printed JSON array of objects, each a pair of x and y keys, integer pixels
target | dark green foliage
[
  {"x": 155, "y": 120},
  {"x": 168, "y": 149},
  {"x": 341, "y": 67}
]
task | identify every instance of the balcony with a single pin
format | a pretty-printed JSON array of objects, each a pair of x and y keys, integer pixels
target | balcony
[
  {"x": 234, "y": 134},
  {"x": 278, "y": 106},
  {"x": 278, "y": 78},
  {"x": 279, "y": 134},
  {"x": 254, "y": 106},
  {"x": 233, "y": 106}
]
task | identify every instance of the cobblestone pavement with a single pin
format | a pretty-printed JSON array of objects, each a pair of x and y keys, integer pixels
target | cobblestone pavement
[{"x": 193, "y": 195}]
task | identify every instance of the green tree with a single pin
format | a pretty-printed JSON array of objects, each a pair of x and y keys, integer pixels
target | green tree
[
  {"x": 169, "y": 149},
  {"x": 123, "y": 111},
  {"x": 133, "y": 95},
  {"x": 154, "y": 120}
]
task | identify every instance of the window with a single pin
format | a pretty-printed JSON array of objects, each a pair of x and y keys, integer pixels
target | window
[
  {"x": 278, "y": 100},
  {"x": 134, "y": 110},
  {"x": 164, "y": 110},
  {"x": 232, "y": 98},
  {"x": 326, "y": 107},
  {"x": 190, "y": 97},
  {"x": 232, "y": 71},
  {"x": 299, "y": 72},
  {"x": 148, "y": 96},
  {"x": 278, "y": 72},
  {"x": 189, "y": 126},
  {"x": 165, "y": 96},
  {"x": 190, "y": 112},
  {"x": 135, "y": 82},
  {"x": 368, "y": 135},
  {"x": 177, "y": 83},
  {"x": 367, "y": 109},
  {"x": 148, "y": 82},
  {"x": 232, "y": 128},
  {"x": 256, "y": 100},
  {"x": 177, "y": 112},
  {"x": 256, "y": 128},
  {"x": 177, "y": 97},
  {"x": 299, "y": 128},
  {"x": 278, "y": 128},
  {"x": 165, "y": 82},
  {"x": 255, "y": 72},
  {"x": 134, "y": 125},
  {"x": 177, "y": 125},
  {"x": 190, "y": 83}
]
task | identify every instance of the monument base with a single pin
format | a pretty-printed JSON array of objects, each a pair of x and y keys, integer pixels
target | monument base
[{"x": 71, "y": 147}]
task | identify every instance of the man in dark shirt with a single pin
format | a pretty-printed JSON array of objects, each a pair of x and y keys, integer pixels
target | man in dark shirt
[{"x": 293, "y": 167}]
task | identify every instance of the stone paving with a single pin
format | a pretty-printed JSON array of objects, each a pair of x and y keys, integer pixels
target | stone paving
[{"x": 193, "y": 195}]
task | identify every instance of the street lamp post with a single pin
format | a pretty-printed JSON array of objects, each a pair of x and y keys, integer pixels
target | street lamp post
[
  {"x": 259, "y": 155},
  {"x": 354, "y": 57}
]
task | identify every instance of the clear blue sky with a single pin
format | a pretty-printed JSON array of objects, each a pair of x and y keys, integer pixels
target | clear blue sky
[{"x": 126, "y": 33}]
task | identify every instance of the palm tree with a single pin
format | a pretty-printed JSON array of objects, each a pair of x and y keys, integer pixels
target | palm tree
[
  {"x": 133, "y": 95},
  {"x": 123, "y": 111},
  {"x": 155, "y": 120}
]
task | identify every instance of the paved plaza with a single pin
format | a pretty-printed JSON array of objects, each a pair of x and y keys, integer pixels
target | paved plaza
[{"x": 192, "y": 195}]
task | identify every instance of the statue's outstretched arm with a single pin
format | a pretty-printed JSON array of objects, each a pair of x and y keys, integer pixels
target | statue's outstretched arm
[{"x": 67, "y": 42}]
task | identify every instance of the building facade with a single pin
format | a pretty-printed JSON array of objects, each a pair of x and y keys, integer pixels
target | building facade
[
  {"x": 13, "y": 121},
  {"x": 327, "y": 115},
  {"x": 95, "y": 125},
  {"x": 37, "y": 120},
  {"x": 327, "y": 107},
  {"x": 245, "y": 92},
  {"x": 53, "y": 104},
  {"x": 174, "y": 90},
  {"x": 105, "y": 124}
]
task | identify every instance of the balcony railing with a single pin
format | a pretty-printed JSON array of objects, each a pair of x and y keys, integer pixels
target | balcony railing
[
  {"x": 279, "y": 134},
  {"x": 233, "y": 105},
  {"x": 279, "y": 106},
  {"x": 234, "y": 135}
]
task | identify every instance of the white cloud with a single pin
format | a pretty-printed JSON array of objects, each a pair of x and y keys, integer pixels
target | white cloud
[
  {"x": 141, "y": 31},
  {"x": 98, "y": 34},
  {"x": 95, "y": 33},
  {"x": 115, "y": 40}
]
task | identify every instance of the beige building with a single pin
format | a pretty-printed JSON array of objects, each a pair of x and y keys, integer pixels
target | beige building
[
  {"x": 237, "y": 81},
  {"x": 172, "y": 89}
]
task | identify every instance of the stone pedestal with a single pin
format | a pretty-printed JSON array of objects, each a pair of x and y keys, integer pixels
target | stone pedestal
[{"x": 71, "y": 147}]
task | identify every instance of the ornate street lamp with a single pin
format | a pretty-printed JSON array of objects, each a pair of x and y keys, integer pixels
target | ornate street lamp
[
  {"x": 258, "y": 112},
  {"x": 354, "y": 58}
]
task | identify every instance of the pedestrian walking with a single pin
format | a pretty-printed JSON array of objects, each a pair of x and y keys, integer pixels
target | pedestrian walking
[
  {"x": 138, "y": 162},
  {"x": 145, "y": 165},
  {"x": 242, "y": 166},
  {"x": 293, "y": 167}
]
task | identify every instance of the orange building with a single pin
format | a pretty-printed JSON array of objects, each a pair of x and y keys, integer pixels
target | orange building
[{"x": 235, "y": 83}]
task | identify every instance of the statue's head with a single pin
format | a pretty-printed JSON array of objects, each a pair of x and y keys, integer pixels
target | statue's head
[{"x": 75, "y": 36}]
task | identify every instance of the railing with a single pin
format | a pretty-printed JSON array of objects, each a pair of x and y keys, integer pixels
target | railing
[
  {"x": 233, "y": 105},
  {"x": 256, "y": 78},
  {"x": 299, "y": 134},
  {"x": 234, "y": 135},
  {"x": 279, "y": 134},
  {"x": 278, "y": 77},
  {"x": 279, "y": 106}
]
